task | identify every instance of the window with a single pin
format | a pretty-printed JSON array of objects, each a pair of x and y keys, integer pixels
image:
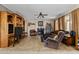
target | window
[
  {"x": 56, "y": 25},
  {"x": 68, "y": 22},
  {"x": 61, "y": 25}
]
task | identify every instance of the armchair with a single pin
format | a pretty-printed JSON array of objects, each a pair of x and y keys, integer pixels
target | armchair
[{"x": 54, "y": 43}]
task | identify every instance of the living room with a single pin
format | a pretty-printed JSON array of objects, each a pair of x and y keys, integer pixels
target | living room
[{"x": 42, "y": 30}]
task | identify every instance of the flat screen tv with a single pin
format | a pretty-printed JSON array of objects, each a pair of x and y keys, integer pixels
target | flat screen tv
[{"x": 10, "y": 28}]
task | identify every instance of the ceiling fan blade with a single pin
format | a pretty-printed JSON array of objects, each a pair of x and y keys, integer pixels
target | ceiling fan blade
[
  {"x": 45, "y": 14},
  {"x": 38, "y": 16},
  {"x": 35, "y": 14},
  {"x": 42, "y": 16}
]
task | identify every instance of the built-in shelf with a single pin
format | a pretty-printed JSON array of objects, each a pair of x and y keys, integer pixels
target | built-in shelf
[{"x": 8, "y": 26}]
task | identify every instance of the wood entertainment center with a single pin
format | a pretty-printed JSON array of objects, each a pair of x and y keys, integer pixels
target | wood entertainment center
[{"x": 8, "y": 22}]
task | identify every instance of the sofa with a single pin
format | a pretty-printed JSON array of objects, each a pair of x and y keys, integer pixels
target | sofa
[{"x": 33, "y": 32}]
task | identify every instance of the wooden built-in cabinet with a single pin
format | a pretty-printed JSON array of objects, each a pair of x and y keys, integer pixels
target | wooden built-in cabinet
[
  {"x": 4, "y": 29},
  {"x": 8, "y": 22}
]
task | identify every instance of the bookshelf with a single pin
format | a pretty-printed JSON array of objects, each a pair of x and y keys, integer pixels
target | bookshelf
[{"x": 8, "y": 22}]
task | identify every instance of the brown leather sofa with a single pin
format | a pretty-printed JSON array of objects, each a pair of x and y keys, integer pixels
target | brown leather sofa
[{"x": 33, "y": 32}]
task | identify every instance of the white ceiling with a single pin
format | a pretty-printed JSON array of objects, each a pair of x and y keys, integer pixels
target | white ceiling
[{"x": 29, "y": 10}]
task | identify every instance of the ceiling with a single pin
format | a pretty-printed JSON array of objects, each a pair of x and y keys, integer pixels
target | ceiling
[{"x": 29, "y": 10}]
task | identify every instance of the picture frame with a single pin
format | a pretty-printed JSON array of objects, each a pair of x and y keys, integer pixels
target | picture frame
[{"x": 40, "y": 23}]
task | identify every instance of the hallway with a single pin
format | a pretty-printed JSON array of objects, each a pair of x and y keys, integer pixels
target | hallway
[{"x": 34, "y": 45}]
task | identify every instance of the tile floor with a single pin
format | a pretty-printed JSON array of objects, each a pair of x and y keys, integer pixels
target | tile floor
[{"x": 34, "y": 45}]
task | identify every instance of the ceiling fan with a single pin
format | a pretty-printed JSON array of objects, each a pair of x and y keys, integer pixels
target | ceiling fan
[{"x": 41, "y": 15}]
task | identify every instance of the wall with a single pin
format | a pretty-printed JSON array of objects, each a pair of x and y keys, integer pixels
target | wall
[
  {"x": 52, "y": 23},
  {"x": 26, "y": 26},
  {"x": 2, "y": 8},
  {"x": 36, "y": 24}
]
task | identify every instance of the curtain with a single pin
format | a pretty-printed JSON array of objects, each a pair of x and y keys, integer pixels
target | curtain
[
  {"x": 75, "y": 23},
  {"x": 61, "y": 23},
  {"x": 56, "y": 25}
]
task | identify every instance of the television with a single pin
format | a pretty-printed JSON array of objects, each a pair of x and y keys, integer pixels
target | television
[{"x": 10, "y": 28}]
